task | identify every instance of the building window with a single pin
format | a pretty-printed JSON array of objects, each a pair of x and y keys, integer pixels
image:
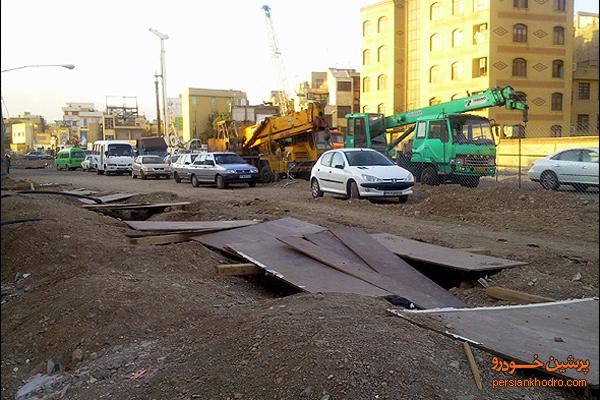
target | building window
[
  {"x": 381, "y": 24},
  {"x": 365, "y": 109},
  {"x": 457, "y": 71},
  {"x": 557, "y": 101},
  {"x": 583, "y": 122},
  {"x": 457, "y": 38},
  {"x": 344, "y": 86},
  {"x": 479, "y": 67},
  {"x": 381, "y": 54},
  {"x": 434, "y": 74},
  {"x": 366, "y": 57},
  {"x": 381, "y": 108},
  {"x": 519, "y": 67},
  {"x": 435, "y": 11},
  {"x": 366, "y": 28},
  {"x": 434, "y": 100},
  {"x": 556, "y": 130},
  {"x": 520, "y": 33},
  {"x": 520, "y": 3},
  {"x": 457, "y": 7},
  {"x": 560, "y": 5},
  {"x": 366, "y": 84},
  {"x": 558, "y": 69},
  {"x": 381, "y": 82},
  {"x": 583, "y": 91},
  {"x": 435, "y": 42},
  {"x": 559, "y": 35},
  {"x": 480, "y": 33},
  {"x": 479, "y": 5}
]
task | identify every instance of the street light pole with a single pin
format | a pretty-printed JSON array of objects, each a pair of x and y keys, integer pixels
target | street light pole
[
  {"x": 3, "y": 138},
  {"x": 163, "y": 74}
]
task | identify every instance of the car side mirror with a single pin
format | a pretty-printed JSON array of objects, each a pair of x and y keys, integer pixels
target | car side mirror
[
  {"x": 339, "y": 166},
  {"x": 106, "y": 153}
]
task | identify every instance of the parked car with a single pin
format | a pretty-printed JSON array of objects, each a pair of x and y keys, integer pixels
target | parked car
[
  {"x": 69, "y": 158},
  {"x": 37, "y": 155},
  {"x": 357, "y": 173},
  {"x": 88, "y": 164},
  {"x": 222, "y": 169},
  {"x": 181, "y": 166},
  {"x": 575, "y": 167},
  {"x": 145, "y": 166}
]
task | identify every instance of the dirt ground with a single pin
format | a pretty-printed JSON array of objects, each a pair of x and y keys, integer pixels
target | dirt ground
[{"x": 107, "y": 309}]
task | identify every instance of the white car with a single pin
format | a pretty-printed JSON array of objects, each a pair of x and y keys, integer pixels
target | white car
[
  {"x": 145, "y": 166},
  {"x": 575, "y": 167},
  {"x": 88, "y": 164},
  {"x": 360, "y": 173}
]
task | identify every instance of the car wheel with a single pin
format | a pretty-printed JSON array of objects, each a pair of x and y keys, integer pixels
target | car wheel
[
  {"x": 315, "y": 189},
  {"x": 469, "y": 181},
  {"x": 549, "y": 180},
  {"x": 194, "y": 180},
  {"x": 142, "y": 175},
  {"x": 220, "y": 182},
  {"x": 176, "y": 177},
  {"x": 354, "y": 193},
  {"x": 133, "y": 175},
  {"x": 429, "y": 176},
  {"x": 403, "y": 199},
  {"x": 252, "y": 184}
]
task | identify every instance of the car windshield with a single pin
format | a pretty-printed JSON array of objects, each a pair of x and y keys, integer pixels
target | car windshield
[
  {"x": 89, "y": 158},
  {"x": 77, "y": 154},
  {"x": 229, "y": 159},
  {"x": 152, "y": 160},
  {"x": 467, "y": 130},
  {"x": 120, "y": 150},
  {"x": 366, "y": 158}
]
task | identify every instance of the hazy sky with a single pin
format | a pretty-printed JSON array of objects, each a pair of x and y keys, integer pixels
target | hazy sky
[{"x": 212, "y": 44}]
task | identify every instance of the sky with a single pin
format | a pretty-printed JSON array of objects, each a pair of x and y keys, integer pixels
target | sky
[{"x": 212, "y": 44}]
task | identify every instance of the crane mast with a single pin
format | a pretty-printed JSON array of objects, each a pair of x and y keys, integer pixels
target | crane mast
[{"x": 281, "y": 94}]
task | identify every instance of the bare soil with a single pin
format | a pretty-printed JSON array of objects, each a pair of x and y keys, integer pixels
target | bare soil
[{"x": 162, "y": 309}]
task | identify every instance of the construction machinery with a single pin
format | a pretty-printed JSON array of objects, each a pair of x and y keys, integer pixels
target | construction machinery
[
  {"x": 447, "y": 145},
  {"x": 280, "y": 145}
]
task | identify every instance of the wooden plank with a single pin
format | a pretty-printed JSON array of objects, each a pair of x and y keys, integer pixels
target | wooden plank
[
  {"x": 188, "y": 225},
  {"x": 515, "y": 296},
  {"x": 422, "y": 299},
  {"x": 238, "y": 269},
  {"x": 442, "y": 256},
  {"x": 133, "y": 206},
  {"x": 473, "y": 364},
  {"x": 256, "y": 233},
  {"x": 558, "y": 329},
  {"x": 299, "y": 270},
  {"x": 162, "y": 239},
  {"x": 424, "y": 291}
]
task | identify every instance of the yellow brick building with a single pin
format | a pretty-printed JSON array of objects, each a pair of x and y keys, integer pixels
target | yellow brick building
[
  {"x": 416, "y": 53},
  {"x": 198, "y": 104}
]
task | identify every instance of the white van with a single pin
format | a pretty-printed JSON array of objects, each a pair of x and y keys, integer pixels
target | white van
[{"x": 113, "y": 156}]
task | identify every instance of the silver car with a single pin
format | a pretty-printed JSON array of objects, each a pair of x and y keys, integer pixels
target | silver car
[
  {"x": 222, "y": 169},
  {"x": 181, "y": 166},
  {"x": 145, "y": 166}
]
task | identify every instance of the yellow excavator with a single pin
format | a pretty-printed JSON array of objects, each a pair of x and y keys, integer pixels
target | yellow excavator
[{"x": 280, "y": 145}]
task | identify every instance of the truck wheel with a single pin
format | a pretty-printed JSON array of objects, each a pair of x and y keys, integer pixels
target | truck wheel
[
  {"x": 194, "y": 180},
  {"x": 354, "y": 193},
  {"x": 315, "y": 189},
  {"x": 469, "y": 181},
  {"x": 266, "y": 174},
  {"x": 220, "y": 182},
  {"x": 176, "y": 177},
  {"x": 549, "y": 180},
  {"x": 429, "y": 176}
]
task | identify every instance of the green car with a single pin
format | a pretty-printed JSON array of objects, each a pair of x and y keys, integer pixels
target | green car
[{"x": 69, "y": 158}]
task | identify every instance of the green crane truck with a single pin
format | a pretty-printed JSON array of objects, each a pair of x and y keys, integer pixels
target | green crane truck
[{"x": 447, "y": 145}]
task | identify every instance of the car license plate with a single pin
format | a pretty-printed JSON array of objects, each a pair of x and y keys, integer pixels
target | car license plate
[
  {"x": 245, "y": 176},
  {"x": 396, "y": 193},
  {"x": 479, "y": 170}
]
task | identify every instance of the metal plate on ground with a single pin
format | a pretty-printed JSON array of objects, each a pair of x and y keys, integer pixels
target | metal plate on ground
[{"x": 159, "y": 226}]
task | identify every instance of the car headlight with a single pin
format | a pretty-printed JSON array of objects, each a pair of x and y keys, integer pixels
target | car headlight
[
  {"x": 410, "y": 178},
  {"x": 231, "y": 171},
  {"x": 254, "y": 171},
  {"x": 458, "y": 161},
  {"x": 370, "y": 178}
]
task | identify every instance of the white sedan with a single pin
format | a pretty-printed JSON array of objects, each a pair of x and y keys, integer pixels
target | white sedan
[
  {"x": 145, "y": 166},
  {"x": 360, "y": 173},
  {"x": 575, "y": 167},
  {"x": 88, "y": 164}
]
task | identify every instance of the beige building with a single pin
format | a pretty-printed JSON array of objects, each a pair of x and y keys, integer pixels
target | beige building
[
  {"x": 416, "y": 53},
  {"x": 197, "y": 106}
]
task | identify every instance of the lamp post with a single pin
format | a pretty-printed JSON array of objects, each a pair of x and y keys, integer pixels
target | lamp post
[
  {"x": 163, "y": 75},
  {"x": 3, "y": 138}
]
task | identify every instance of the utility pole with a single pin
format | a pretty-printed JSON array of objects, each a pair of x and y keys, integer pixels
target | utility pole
[
  {"x": 163, "y": 75},
  {"x": 157, "y": 104}
]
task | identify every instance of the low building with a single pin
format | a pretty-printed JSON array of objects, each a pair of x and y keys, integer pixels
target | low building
[
  {"x": 23, "y": 137},
  {"x": 584, "y": 111},
  {"x": 343, "y": 86},
  {"x": 80, "y": 115}
]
